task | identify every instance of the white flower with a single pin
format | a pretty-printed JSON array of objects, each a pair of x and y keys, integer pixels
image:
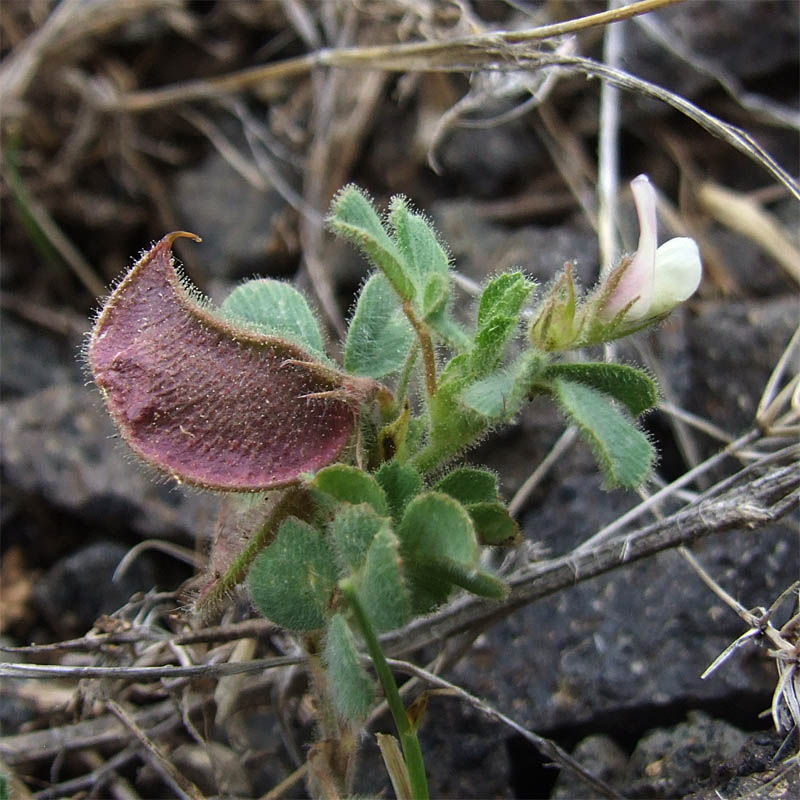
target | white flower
[{"x": 655, "y": 280}]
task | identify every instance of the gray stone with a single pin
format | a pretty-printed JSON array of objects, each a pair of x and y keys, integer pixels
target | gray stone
[
  {"x": 637, "y": 638},
  {"x": 734, "y": 347},
  {"x": 59, "y": 448},
  {"x": 669, "y": 762},
  {"x": 601, "y": 756},
  {"x": 78, "y": 589},
  {"x": 237, "y": 222}
]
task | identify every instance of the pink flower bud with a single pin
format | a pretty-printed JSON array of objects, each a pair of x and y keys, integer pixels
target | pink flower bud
[{"x": 655, "y": 280}]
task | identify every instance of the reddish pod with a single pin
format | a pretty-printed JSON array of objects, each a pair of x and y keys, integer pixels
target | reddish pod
[{"x": 207, "y": 401}]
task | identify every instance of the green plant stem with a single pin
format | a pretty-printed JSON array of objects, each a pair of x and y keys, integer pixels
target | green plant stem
[
  {"x": 426, "y": 344},
  {"x": 407, "y": 732}
]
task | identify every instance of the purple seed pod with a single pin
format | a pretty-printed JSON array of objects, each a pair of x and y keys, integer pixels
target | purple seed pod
[{"x": 209, "y": 402}]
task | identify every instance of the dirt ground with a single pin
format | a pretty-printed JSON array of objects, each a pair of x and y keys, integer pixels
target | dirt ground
[{"x": 125, "y": 119}]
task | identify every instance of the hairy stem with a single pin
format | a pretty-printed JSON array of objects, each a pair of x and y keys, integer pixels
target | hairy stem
[
  {"x": 237, "y": 571},
  {"x": 426, "y": 345}
]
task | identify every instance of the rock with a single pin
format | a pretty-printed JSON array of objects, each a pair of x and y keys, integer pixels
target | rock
[
  {"x": 481, "y": 248},
  {"x": 669, "y": 762},
  {"x": 601, "y": 756},
  {"x": 59, "y": 448},
  {"x": 747, "y": 40},
  {"x": 33, "y": 358},
  {"x": 78, "y": 589},
  {"x": 734, "y": 348},
  {"x": 465, "y": 754},
  {"x": 636, "y": 638},
  {"x": 239, "y": 224},
  {"x": 752, "y": 773}
]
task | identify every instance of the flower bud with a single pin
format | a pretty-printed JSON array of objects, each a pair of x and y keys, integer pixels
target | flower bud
[{"x": 654, "y": 281}]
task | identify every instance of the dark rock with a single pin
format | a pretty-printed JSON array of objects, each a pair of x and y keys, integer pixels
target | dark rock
[
  {"x": 746, "y": 39},
  {"x": 482, "y": 248},
  {"x": 669, "y": 762},
  {"x": 239, "y": 224},
  {"x": 734, "y": 347},
  {"x": 601, "y": 756},
  {"x": 32, "y": 358},
  {"x": 752, "y": 773},
  {"x": 489, "y": 162},
  {"x": 465, "y": 754},
  {"x": 78, "y": 589},
  {"x": 611, "y": 651},
  {"x": 59, "y": 448}
]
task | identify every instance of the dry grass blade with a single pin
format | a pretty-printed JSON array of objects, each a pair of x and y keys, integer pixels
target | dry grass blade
[
  {"x": 546, "y": 746},
  {"x": 179, "y": 782},
  {"x": 757, "y": 503}
]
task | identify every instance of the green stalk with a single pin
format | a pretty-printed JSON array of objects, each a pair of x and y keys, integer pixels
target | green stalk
[{"x": 408, "y": 733}]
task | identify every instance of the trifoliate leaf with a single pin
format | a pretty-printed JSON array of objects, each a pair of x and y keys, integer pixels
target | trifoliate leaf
[
  {"x": 352, "y": 531},
  {"x": 493, "y": 524},
  {"x": 629, "y": 385},
  {"x": 351, "y": 485},
  {"x": 469, "y": 485},
  {"x": 381, "y": 585},
  {"x": 353, "y": 217},
  {"x": 401, "y": 483}
]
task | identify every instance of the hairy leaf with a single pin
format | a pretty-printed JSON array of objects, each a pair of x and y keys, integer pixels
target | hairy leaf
[
  {"x": 379, "y": 337},
  {"x": 629, "y": 385},
  {"x": 353, "y": 690},
  {"x": 292, "y": 581},
  {"x": 351, "y": 485},
  {"x": 276, "y": 307},
  {"x": 623, "y": 452},
  {"x": 353, "y": 217},
  {"x": 469, "y": 485}
]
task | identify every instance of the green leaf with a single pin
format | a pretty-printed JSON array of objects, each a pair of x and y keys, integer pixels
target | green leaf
[
  {"x": 349, "y": 484},
  {"x": 504, "y": 296},
  {"x": 353, "y": 690},
  {"x": 381, "y": 586},
  {"x": 435, "y": 295},
  {"x": 622, "y": 451},
  {"x": 498, "y": 318},
  {"x": 469, "y": 485},
  {"x": 493, "y": 524},
  {"x": 631, "y": 386},
  {"x": 292, "y": 580},
  {"x": 352, "y": 531},
  {"x": 491, "y": 397},
  {"x": 276, "y": 308},
  {"x": 499, "y": 396},
  {"x": 401, "y": 483},
  {"x": 379, "y": 336},
  {"x": 417, "y": 241},
  {"x": 435, "y": 526},
  {"x": 353, "y": 217}
]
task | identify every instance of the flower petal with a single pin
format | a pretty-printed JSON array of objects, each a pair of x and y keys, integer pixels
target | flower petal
[
  {"x": 209, "y": 403},
  {"x": 678, "y": 274},
  {"x": 636, "y": 283}
]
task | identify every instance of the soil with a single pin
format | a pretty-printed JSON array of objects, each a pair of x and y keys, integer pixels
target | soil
[{"x": 610, "y": 669}]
